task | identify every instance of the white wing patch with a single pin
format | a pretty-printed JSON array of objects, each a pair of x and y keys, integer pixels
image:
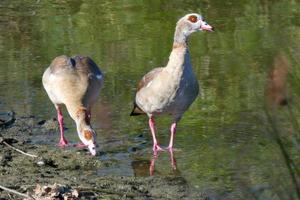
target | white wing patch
[
  {"x": 99, "y": 76},
  {"x": 148, "y": 85}
]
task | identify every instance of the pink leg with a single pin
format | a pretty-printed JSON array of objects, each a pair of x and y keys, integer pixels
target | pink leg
[
  {"x": 62, "y": 141},
  {"x": 152, "y": 165},
  {"x": 173, "y": 132},
  {"x": 156, "y": 147},
  {"x": 173, "y": 160}
]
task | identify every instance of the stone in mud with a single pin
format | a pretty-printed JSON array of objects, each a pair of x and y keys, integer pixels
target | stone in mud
[
  {"x": 7, "y": 119},
  {"x": 49, "y": 124}
]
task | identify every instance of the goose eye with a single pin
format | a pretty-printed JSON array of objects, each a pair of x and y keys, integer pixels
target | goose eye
[{"x": 193, "y": 18}]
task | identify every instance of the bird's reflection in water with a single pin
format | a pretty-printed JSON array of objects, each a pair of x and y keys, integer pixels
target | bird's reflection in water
[
  {"x": 143, "y": 168},
  {"x": 172, "y": 162}
]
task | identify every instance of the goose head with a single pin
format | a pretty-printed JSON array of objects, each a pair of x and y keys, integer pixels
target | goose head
[
  {"x": 189, "y": 24},
  {"x": 85, "y": 132},
  {"x": 88, "y": 136}
]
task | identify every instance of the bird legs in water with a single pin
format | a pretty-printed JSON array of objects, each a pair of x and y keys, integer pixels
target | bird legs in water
[
  {"x": 62, "y": 141},
  {"x": 156, "y": 147}
]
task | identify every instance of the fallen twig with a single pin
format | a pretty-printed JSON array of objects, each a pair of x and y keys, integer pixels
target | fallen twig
[
  {"x": 18, "y": 150},
  {"x": 16, "y": 192}
]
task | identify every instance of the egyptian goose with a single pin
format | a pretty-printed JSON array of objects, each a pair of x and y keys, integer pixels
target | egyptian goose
[
  {"x": 76, "y": 83},
  {"x": 173, "y": 88}
]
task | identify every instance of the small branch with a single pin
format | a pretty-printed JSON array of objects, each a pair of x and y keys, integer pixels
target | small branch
[
  {"x": 15, "y": 192},
  {"x": 18, "y": 150}
]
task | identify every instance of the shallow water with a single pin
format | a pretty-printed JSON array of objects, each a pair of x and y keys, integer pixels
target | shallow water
[{"x": 224, "y": 143}]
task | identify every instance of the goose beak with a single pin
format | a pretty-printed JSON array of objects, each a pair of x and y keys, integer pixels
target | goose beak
[
  {"x": 206, "y": 27},
  {"x": 92, "y": 149}
]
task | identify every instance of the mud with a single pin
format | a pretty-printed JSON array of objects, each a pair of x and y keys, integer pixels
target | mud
[{"x": 72, "y": 168}]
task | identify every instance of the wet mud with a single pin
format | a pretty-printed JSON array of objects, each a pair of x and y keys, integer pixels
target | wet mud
[{"x": 70, "y": 173}]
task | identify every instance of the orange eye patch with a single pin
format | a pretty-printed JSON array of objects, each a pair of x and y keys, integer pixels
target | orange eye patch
[
  {"x": 87, "y": 134},
  {"x": 193, "y": 18}
]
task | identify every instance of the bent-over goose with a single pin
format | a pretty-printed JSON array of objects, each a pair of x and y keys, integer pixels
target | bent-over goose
[
  {"x": 173, "y": 88},
  {"x": 76, "y": 83}
]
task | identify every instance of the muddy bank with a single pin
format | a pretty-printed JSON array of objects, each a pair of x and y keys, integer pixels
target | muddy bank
[{"x": 72, "y": 168}]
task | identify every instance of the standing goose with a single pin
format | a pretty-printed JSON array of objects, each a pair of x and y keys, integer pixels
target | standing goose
[
  {"x": 171, "y": 89},
  {"x": 76, "y": 83}
]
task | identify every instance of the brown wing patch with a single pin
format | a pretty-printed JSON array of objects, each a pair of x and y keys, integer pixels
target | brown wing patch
[
  {"x": 193, "y": 18},
  {"x": 148, "y": 77},
  {"x": 144, "y": 82},
  {"x": 88, "y": 135}
]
